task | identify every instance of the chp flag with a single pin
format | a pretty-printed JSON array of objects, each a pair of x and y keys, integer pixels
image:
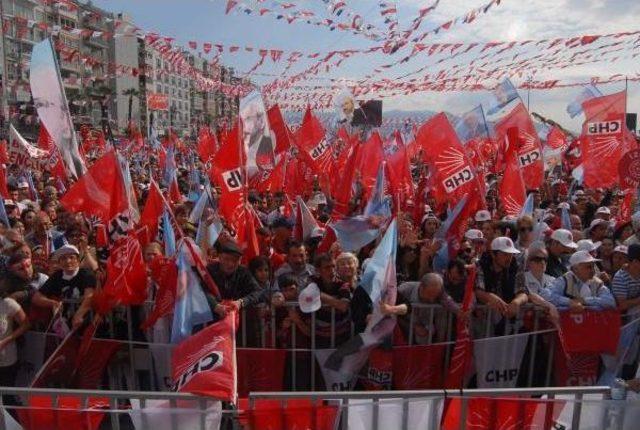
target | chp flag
[
  {"x": 498, "y": 360},
  {"x": 205, "y": 363}
]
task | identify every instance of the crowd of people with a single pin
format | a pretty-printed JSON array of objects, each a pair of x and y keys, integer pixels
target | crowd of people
[{"x": 53, "y": 264}]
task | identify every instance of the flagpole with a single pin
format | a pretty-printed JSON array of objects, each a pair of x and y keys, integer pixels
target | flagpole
[{"x": 5, "y": 79}]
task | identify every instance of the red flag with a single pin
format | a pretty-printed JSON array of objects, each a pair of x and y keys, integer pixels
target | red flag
[
  {"x": 556, "y": 139},
  {"x": 207, "y": 144},
  {"x": 626, "y": 207},
  {"x": 150, "y": 217},
  {"x": 512, "y": 191},
  {"x": 164, "y": 272},
  {"x": 575, "y": 370},
  {"x": 370, "y": 156},
  {"x": 346, "y": 175},
  {"x": 69, "y": 412},
  {"x": 272, "y": 180},
  {"x": 4, "y": 191},
  {"x": 454, "y": 173},
  {"x": 400, "y": 180},
  {"x": 583, "y": 332},
  {"x": 314, "y": 147},
  {"x": 605, "y": 139},
  {"x": 250, "y": 243},
  {"x": 126, "y": 282},
  {"x": 100, "y": 192},
  {"x": 297, "y": 414},
  {"x": 461, "y": 359},
  {"x": 418, "y": 367},
  {"x": 260, "y": 370},
  {"x": 56, "y": 166},
  {"x": 228, "y": 171},
  {"x": 527, "y": 145},
  {"x": 280, "y": 130},
  {"x": 205, "y": 363}
]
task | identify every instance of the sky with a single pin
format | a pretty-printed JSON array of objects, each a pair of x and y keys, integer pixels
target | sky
[{"x": 512, "y": 20}]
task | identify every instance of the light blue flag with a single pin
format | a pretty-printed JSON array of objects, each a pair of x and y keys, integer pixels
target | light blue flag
[
  {"x": 191, "y": 308},
  {"x": 168, "y": 235},
  {"x": 373, "y": 278},
  {"x": 588, "y": 92},
  {"x": 471, "y": 125},
  {"x": 198, "y": 209},
  {"x": 3, "y": 214},
  {"x": 625, "y": 353},
  {"x": 565, "y": 219},
  {"x": 354, "y": 233},
  {"x": 503, "y": 94},
  {"x": 452, "y": 216},
  {"x": 527, "y": 208},
  {"x": 379, "y": 204}
]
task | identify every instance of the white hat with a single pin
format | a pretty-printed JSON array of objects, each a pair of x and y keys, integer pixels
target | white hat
[
  {"x": 318, "y": 232},
  {"x": 23, "y": 184},
  {"x": 504, "y": 244},
  {"x": 564, "y": 205},
  {"x": 474, "y": 234},
  {"x": 581, "y": 257},
  {"x": 588, "y": 245},
  {"x": 598, "y": 221},
  {"x": 66, "y": 250},
  {"x": 621, "y": 248},
  {"x": 482, "y": 216},
  {"x": 565, "y": 237},
  {"x": 309, "y": 298},
  {"x": 603, "y": 210},
  {"x": 579, "y": 193}
]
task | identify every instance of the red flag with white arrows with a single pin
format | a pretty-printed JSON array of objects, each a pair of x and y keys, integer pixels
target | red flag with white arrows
[
  {"x": 527, "y": 145},
  {"x": 556, "y": 139},
  {"x": 605, "y": 139},
  {"x": 512, "y": 192},
  {"x": 313, "y": 145},
  {"x": 207, "y": 144}
]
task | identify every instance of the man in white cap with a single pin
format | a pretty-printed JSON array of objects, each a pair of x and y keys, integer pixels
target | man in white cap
[
  {"x": 559, "y": 245},
  {"x": 580, "y": 289},
  {"x": 604, "y": 213},
  {"x": 71, "y": 282},
  {"x": 635, "y": 224},
  {"x": 496, "y": 278},
  {"x": 598, "y": 229}
]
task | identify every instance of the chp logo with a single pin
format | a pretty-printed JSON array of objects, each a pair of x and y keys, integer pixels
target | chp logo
[
  {"x": 451, "y": 164},
  {"x": 629, "y": 169},
  {"x": 319, "y": 150},
  {"x": 528, "y": 153},
  {"x": 233, "y": 179},
  {"x": 604, "y": 127}
]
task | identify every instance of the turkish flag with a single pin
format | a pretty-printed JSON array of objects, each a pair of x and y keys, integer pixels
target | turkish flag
[
  {"x": 207, "y": 144},
  {"x": 605, "y": 139},
  {"x": 313, "y": 145},
  {"x": 228, "y": 171},
  {"x": 164, "y": 272},
  {"x": 260, "y": 370},
  {"x": 590, "y": 331},
  {"x": 150, "y": 217},
  {"x": 205, "y": 363},
  {"x": 512, "y": 189},
  {"x": 280, "y": 129},
  {"x": 528, "y": 146},
  {"x": 100, "y": 192},
  {"x": 418, "y": 367},
  {"x": 126, "y": 282},
  {"x": 455, "y": 175}
]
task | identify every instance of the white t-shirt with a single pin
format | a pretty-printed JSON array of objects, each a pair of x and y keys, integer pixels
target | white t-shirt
[{"x": 8, "y": 308}]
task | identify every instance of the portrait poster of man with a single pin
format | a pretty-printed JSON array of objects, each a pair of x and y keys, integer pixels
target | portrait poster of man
[{"x": 259, "y": 140}]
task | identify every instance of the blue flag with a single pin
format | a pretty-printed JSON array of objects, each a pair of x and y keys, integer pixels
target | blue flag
[
  {"x": 588, "y": 92},
  {"x": 503, "y": 94},
  {"x": 191, "y": 308},
  {"x": 527, "y": 208},
  {"x": 354, "y": 233},
  {"x": 3, "y": 214},
  {"x": 471, "y": 125},
  {"x": 379, "y": 204},
  {"x": 168, "y": 235},
  {"x": 373, "y": 278}
]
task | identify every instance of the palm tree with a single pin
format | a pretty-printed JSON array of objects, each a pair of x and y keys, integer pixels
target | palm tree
[{"x": 131, "y": 92}]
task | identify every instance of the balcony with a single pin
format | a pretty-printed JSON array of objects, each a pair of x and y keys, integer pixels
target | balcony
[{"x": 95, "y": 41}]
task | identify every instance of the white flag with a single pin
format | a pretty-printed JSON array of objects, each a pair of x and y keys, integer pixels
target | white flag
[{"x": 498, "y": 360}]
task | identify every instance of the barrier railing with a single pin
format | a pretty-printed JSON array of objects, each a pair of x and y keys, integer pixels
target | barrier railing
[{"x": 566, "y": 408}]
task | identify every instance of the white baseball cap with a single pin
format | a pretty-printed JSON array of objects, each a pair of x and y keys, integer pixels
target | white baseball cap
[
  {"x": 580, "y": 257},
  {"x": 588, "y": 245},
  {"x": 503, "y": 244},
  {"x": 474, "y": 234},
  {"x": 565, "y": 237},
  {"x": 309, "y": 298},
  {"x": 318, "y": 232},
  {"x": 564, "y": 205},
  {"x": 66, "y": 250},
  {"x": 603, "y": 210},
  {"x": 621, "y": 248},
  {"x": 482, "y": 216}
]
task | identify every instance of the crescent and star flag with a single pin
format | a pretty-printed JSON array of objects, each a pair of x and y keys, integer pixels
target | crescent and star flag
[{"x": 205, "y": 363}]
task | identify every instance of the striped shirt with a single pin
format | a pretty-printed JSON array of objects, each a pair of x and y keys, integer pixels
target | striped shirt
[{"x": 625, "y": 286}]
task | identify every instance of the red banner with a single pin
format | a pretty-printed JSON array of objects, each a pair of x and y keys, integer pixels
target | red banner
[
  {"x": 590, "y": 331},
  {"x": 418, "y": 367},
  {"x": 157, "y": 101},
  {"x": 260, "y": 370}
]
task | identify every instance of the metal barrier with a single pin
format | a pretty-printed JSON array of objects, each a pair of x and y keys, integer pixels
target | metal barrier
[{"x": 377, "y": 403}]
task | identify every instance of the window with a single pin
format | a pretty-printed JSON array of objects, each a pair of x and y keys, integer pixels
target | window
[
  {"x": 158, "y": 63},
  {"x": 159, "y": 88}
]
